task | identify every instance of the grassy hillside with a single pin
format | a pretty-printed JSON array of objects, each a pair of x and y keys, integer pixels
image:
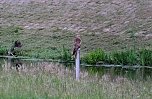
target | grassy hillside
[{"x": 45, "y": 26}]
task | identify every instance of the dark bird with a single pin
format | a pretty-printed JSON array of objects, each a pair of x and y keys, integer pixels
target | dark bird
[{"x": 17, "y": 44}]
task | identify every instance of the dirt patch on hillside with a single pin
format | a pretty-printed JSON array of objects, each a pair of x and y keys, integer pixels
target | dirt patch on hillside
[
  {"x": 88, "y": 15},
  {"x": 22, "y": 1}
]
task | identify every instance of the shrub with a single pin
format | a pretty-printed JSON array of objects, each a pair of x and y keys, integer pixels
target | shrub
[
  {"x": 95, "y": 56},
  {"x": 128, "y": 57},
  {"x": 145, "y": 57},
  {"x": 3, "y": 51}
]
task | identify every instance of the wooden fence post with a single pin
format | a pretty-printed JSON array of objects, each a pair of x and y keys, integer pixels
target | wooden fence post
[{"x": 77, "y": 63}]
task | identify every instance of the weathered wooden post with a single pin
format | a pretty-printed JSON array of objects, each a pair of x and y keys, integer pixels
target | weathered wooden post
[
  {"x": 76, "y": 53},
  {"x": 77, "y": 63}
]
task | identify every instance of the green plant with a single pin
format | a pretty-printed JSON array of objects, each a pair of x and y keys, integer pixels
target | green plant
[
  {"x": 66, "y": 55},
  {"x": 95, "y": 56},
  {"x": 3, "y": 51},
  {"x": 128, "y": 57},
  {"x": 145, "y": 57}
]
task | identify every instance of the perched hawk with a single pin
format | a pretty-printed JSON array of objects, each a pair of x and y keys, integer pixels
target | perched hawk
[{"x": 77, "y": 44}]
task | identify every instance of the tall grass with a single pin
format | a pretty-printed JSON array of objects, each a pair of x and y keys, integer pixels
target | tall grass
[
  {"x": 127, "y": 57},
  {"x": 42, "y": 81},
  {"x": 50, "y": 81},
  {"x": 145, "y": 57},
  {"x": 3, "y": 51},
  {"x": 95, "y": 56}
]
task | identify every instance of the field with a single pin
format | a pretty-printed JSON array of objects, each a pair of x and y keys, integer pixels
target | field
[
  {"x": 44, "y": 27},
  {"x": 43, "y": 80}
]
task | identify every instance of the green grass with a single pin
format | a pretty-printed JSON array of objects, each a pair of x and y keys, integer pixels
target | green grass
[
  {"x": 3, "y": 51},
  {"x": 10, "y": 30},
  {"x": 95, "y": 56},
  {"x": 40, "y": 53},
  {"x": 41, "y": 81},
  {"x": 145, "y": 57},
  {"x": 35, "y": 44},
  {"x": 66, "y": 55},
  {"x": 127, "y": 57},
  {"x": 48, "y": 42},
  {"x": 42, "y": 84}
]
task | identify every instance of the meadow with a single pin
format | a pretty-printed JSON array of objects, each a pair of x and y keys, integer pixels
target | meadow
[
  {"x": 112, "y": 31},
  {"x": 43, "y": 80}
]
